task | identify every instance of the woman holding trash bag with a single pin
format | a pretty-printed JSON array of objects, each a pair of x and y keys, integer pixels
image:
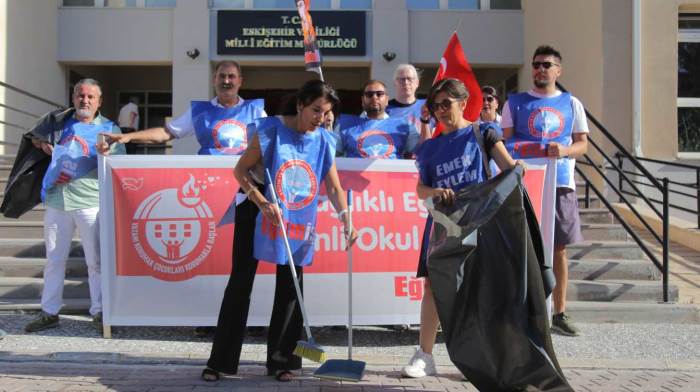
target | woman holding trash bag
[
  {"x": 446, "y": 164},
  {"x": 299, "y": 153}
]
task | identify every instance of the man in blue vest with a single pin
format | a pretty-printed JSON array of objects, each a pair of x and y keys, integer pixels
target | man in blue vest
[
  {"x": 406, "y": 105},
  {"x": 375, "y": 134},
  {"x": 219, "y": 124},
  {"x": 557, "y": 120},
  {"x": 70, "y": 191}
]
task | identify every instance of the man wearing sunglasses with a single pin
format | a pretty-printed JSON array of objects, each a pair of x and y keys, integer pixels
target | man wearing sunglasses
[
  {"x": 374, "y": 134},
  {"x": 556, "y": 120}
]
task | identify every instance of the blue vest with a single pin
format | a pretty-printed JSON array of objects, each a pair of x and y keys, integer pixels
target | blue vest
[
  {"x": 452, "y": 160},
  {"x": 347, "y": 121},
  {"x": 74, "y": 155},
  {"x": 222, "y": 131},
  {"x": 379, "y": 139},
  {"x": 298, "y": 163},
  {"x": 541, "y": 121},
  {"x": 411, "y": 113}
]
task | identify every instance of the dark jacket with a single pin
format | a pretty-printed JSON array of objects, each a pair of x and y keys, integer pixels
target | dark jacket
[
  {"x": 490, "y": 294},
  {"x": 23, "y": 189}
]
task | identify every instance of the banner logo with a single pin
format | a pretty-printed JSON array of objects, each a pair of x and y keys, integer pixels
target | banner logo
[
  {"x": 229, "y": 136},
  {"x": 295, "y": 184},
  {"x": 545, "y": 122},
  {"x": 375, "y": 143},
  {"x": 173, "y": 230}
]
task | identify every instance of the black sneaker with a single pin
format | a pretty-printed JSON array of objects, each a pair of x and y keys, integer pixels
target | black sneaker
[
  {"x": 562, "y": 323},
  {"x": 256, "y": 332},
  {"x": 97, "y": 322},
  {"x": 42, "y": 321},
  {"x": 203, "y": 332}
]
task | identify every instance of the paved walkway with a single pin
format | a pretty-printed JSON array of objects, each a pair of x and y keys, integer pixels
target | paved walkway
[
  {"x": 90, "y": 377},
  {"x": 607, "y": 357}
]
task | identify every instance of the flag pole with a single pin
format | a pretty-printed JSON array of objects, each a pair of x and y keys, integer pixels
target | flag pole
[
  {"x": 459, "y": 24},
  {"x": 320, "y": 73}
]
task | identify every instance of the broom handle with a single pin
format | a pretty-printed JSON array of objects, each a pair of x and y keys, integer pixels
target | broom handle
[
  {"x": 290, "y": 261},
  {"x": 348, "y": 237}
]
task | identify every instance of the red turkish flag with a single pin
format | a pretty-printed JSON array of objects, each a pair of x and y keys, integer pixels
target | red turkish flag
[{"x": 454, "y": 64}]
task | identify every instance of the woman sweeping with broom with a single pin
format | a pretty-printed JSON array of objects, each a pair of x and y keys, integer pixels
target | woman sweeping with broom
[{"x": 299, "y": 154}]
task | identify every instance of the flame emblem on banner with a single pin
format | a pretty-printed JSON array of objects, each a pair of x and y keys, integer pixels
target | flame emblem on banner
[{"x": 173, "y": 230}]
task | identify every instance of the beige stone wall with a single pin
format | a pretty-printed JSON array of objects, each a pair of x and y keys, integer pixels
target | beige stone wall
[
  {"x": 27, "y": 61},
  {"x": 659, "y": 78},
  {"x": 596, "y": 38},
  {"x": 575, "y": 28}
]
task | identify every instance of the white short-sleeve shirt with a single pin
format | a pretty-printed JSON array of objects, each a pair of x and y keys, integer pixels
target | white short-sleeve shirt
[{"x": 183, "y": 125}]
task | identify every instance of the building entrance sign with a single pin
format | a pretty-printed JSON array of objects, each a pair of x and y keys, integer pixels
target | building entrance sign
[{"x": 339, "y": 33}]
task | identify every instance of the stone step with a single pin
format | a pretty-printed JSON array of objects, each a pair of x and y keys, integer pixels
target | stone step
[
  {"x": 5, "y": 169},
  {"x": 30, "y": 288},
  {"x": 633, "y": 312},
  {"x": 25, "y": 229},
  {"x": 593, "y": 201},
  {"x": 595, "y": 215},
  {"x": 643, "y": 270},
  {"x": 604, "y": 232},
  {"x": 20, "y": 305},
  {"x": 23, "y": 247},
  {"x": 605, "y": 250},
  {"x": 19, "y": 267},
  {"x": 35, "y": 214},
  {"x": 21, "y": 229},
  {"x": 619, "y": 290}
]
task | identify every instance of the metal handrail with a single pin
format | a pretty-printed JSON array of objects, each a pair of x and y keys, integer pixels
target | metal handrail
[
  {"x": 694, "y": 186},
  {"x": 683, "y": 165},
  {"x": 14, "y": 109},
  {"x": 662, "y": 186},
  {"x": 27, "y": 93}
]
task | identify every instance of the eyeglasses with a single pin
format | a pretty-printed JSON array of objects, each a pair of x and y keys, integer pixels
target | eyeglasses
[
  {"x": 489, "y": 98},
  {"x": 444, "y": 105},
  {"x": 545, "y": 64},
  {"x": 370, "y": 94},
  {"x": 405, "y": 80}
]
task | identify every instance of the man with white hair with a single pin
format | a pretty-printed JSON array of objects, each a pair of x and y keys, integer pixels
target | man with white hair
[
  {"x": 70, "y": 191},
  {"x": 405, "y": 104}
]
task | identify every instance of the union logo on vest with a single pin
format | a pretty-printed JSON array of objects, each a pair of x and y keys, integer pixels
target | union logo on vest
[
  {"x": 76, "y": 145},
  {"x": 173, "y": 231},
  {"x": 229, "y": 136},
  {"x": 375, "y": 143},
  {"x": 295, "y": 184},
  {"x": 546, "y": 122}
]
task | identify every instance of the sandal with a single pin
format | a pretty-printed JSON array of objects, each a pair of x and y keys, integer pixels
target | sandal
[
  {"x": 281, "y": 375},
  {"x": 210, "y": 375}
]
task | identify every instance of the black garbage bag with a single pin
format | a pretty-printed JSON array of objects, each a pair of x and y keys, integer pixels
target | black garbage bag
[{"x": 488, "y": 275}]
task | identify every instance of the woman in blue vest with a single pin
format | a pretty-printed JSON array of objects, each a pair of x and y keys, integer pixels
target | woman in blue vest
[
  {"x": 299, "y": 154},
  {"x": 446, "y": 164}
]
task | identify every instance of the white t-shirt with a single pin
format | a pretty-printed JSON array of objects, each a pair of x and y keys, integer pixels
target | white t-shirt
[
  {"x": 183, "y": 125},
  {"x": 125, "y": 116},
  {"x": 580, "y": 125}
]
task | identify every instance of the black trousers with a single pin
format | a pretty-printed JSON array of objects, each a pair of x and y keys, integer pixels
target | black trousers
[{"x": 286, "y": 324}]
